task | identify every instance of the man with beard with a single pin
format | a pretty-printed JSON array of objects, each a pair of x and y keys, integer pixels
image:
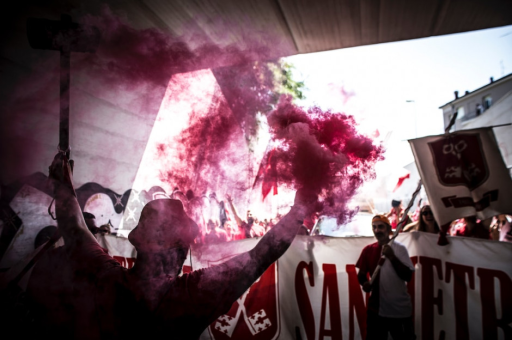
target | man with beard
[
  {"x": 389, "y": 307},
  {"x": 152, "y": 300}
]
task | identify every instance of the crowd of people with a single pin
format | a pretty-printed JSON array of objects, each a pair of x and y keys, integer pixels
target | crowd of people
[
  {"x": 219, "y": 220},
  {"x": 226, "y": 224},
  {"x": 496, "y": 228},
  {"x": 77, "y": 290}
]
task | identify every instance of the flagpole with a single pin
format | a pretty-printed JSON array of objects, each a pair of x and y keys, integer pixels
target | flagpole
[{"x": 398, "y": 227}]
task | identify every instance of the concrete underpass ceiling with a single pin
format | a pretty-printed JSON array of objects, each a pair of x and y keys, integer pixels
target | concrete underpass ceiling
[
  {"x": 98, "y": 120},
  {"x": 320, "y": 25}
]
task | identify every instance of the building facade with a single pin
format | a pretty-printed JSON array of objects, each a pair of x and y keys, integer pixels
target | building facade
[
  {"x": 490, "y": 105},
  {"x": 476, "y": 103}
]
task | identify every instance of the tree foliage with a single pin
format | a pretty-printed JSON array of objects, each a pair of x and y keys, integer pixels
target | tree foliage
[{"x": 284, "y": 82}]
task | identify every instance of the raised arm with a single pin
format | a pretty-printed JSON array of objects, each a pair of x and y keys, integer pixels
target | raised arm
[
  {"x": 69, "y": 215},
  {"x": 228, "y": 281},
  {"x": 238, "y": 220},
  {"x": 278, "y": 239}
]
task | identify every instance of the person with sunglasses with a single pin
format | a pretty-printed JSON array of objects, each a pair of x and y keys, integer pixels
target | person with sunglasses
[
  {"x": 425, "y": 223},
  {"x": 500, "y": 229}
]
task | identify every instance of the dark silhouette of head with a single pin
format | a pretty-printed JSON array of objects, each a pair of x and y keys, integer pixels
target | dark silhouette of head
[
  {"x": 90, "y": 221},
  {"x": 471, "y": 220},
  {"x": 189, "y": 194},
  {"x": 163, "y": 225},
  {"x": 44, "y": 235}
]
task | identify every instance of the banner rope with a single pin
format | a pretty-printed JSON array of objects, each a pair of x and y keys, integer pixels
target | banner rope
[{"x": 452, "y": 122}]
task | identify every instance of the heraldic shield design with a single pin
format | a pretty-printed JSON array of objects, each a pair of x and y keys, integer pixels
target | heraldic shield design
[
  {"x": 460, "y": 160},
  {"x": 255, "y": 315}
]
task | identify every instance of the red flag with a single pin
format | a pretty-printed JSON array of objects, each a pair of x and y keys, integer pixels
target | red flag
[{"x": 401, "y": 181}]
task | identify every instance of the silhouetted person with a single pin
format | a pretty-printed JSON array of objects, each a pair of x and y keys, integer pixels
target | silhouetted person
[
  {"x": 243, "y": 225},
  {"x": 151, "y": 300}
]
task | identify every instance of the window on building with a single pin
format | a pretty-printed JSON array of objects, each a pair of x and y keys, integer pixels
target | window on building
[
  {"x": 460, "y": 112},
  {"x": 487, "y": 102}
]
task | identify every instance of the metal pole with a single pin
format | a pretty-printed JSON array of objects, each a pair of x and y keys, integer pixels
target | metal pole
[
  {"x": 414, "y": 114},
  {"x": 65, "y": 55}
]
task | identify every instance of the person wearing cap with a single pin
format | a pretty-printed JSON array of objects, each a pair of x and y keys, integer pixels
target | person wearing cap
[
  {"x": 396, "y": 214},
  {"x": 389, "y": 308},
  {"x": 151, "y": 299}
]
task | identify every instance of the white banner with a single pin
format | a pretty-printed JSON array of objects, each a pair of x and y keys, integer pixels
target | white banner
[
  {"x": 459, "y": 291},
  {"x": 119, "y": 248},
  {"x": 464, "y": 174}
]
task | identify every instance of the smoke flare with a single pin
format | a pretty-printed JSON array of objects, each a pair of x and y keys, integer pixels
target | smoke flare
[{"x": 322, "y": 152}]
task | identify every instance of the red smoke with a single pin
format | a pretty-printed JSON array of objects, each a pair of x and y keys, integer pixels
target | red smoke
[
  {"x": 131, "y": 68},
  {"x": 127, "y": 56},
  {"x": 323, "y": 152},
  {"x": 318, "y": 150}
]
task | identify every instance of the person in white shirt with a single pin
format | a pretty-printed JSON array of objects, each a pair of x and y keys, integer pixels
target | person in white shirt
[{"x": 389, "y": 307}]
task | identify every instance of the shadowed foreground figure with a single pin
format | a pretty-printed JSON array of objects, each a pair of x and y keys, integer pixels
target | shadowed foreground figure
[{"x": 151, "y": 300}]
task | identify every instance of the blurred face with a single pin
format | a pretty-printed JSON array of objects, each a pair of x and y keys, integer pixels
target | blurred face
[
  {"x": 381, "y": 230},
  {"x": 427, "y": 215},
  {"x": 502, "y": 220},
  {"x": 104, "y": 230},
  {"x": 211, "y": 225},
  {"x": 228, "y": 227},
  {"x": 250, "y": 221}
]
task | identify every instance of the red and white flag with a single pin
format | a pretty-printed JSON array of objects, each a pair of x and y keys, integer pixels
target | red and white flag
[
  {"x": 401, "y": 180},
  {"x": 463, "y": 174}
]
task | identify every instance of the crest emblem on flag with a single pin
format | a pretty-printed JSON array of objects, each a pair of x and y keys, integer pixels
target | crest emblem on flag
[
  {"x": 464, "y": 174},
  {"x": 255, "y": 315},
  {"x": 460, "y": 160}
]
